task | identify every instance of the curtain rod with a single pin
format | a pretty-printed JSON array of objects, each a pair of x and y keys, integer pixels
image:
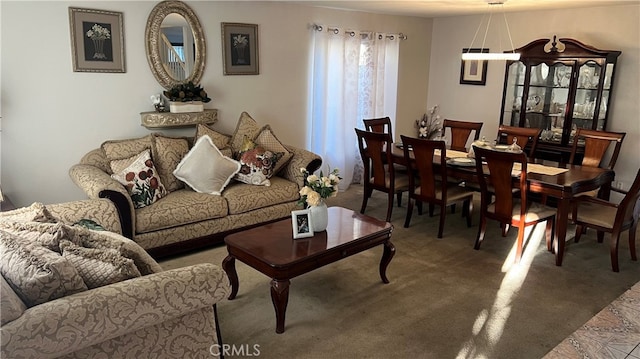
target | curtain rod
[{"x": 352, "y": 33}]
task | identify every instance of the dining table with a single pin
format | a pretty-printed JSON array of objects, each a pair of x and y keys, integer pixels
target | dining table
[{"x": 563, "y": 182}]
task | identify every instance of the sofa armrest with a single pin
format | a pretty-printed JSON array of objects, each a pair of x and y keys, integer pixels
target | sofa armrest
[
  {"x": 101, "y": 211},
  {"x": 78, "y": 321},
  {"x": 301, "y": 159},
  {"x": 98, "y": 184}
]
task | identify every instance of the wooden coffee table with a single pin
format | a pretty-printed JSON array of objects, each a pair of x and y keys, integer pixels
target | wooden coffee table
[{"x": 271, "y": 250}]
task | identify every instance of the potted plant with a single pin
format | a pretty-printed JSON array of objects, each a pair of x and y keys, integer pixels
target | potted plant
[{"x": 186, "y": 97}]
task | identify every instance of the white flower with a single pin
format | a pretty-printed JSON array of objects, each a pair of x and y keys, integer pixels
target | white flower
[
  {"x": 312, "y": 179},
  {"x": 97, "y": 32},
  {"x": 240, "y": 40},
  {"x": 313, "y": 198}
]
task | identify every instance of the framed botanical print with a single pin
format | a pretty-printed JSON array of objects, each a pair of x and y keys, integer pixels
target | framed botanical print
[
  {"x": 474, "y": 72},
  {"x": 240, "y": 49},
  {"x": 97, "y": 40}
]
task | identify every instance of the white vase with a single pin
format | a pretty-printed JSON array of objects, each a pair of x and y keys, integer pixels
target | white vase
[{"x": 319, "y": 217}]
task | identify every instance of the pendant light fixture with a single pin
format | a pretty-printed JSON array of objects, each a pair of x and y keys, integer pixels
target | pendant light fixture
[{"x": 492, "y": 55}]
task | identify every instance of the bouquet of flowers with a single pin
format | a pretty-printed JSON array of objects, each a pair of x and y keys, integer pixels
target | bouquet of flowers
[
  {"x": 429, "y": 125},
  {"x": 317, "y": 188}
]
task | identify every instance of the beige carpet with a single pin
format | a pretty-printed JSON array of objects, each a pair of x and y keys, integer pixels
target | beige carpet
[{"x": 445, "y": 300}]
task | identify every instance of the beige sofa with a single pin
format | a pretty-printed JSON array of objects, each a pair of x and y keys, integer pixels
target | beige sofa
[
  {"x": 159, "y": 314},
  {"x": 185, "y": 219}
]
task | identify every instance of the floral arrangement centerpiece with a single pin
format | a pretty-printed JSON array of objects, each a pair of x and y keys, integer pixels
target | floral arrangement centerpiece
[
  {"x": 429, "y": 125},
  {"x": 187, "y": 92},
  {"x": 317, "y": 188}
]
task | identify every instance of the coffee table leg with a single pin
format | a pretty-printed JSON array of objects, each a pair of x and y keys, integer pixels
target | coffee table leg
[
  {"x": 389, "y": 252},
  {"x": 280, "y": 298},
  {"x": 229, "y": 266}
]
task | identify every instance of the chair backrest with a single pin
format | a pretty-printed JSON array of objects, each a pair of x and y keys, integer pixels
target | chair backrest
[
  {"x": 500, "y": 177},
  {"x": 524, "y": 135},
  {"x": 596, "y": 144},
  {"x": 375, "y": 150},
  {"x": 380, "y": 125},
  {"x": 423, "y": 151},
  {"x": 628, "y": 203},
  {"x": 460, "y": 132}
]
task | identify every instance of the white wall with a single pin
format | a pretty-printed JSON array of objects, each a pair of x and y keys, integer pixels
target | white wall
[
  {"x": 609, "y": 27},
  {"x": 52, "y": 116}
]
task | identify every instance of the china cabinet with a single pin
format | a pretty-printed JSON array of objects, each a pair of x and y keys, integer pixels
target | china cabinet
[{"x": 558, "y": 86}]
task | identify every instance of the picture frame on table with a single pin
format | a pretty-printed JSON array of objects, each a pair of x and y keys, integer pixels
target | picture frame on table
[
  {"x": 240, "y": 49},
  {"x": 473, "y": 72},
  {"x": 301, "y": 223},
  {"x": 97, "y": 40}
]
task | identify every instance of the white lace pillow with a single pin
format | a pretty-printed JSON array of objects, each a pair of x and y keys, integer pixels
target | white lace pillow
[{"x": 205, "y": 169}]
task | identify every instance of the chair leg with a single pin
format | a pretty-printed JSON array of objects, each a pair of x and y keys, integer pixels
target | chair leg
[
  {"x": 600, "y": 236},
  {"x": 520, "y": 243},
  {"x": 505, "y": 228},
  {"x": 419, "y": 207},
  {"x": 549, "y": 233},
  {"x": 453, "y": 208},
  {"x": 579, "y": 231},
  {"x": 431, "y": 207},
  {"x": 632, "y": 241},
  {"x": 367, "y": 193},
  {"x": 615, "y": 238},
  {"x": 399, "y": 195},
  {"x": 389, "y": 206},
  {"x": 443, "y": 213},
  {"x": 481, "y": 229},
  {"x": 467, "y": 210},
  {"x": 409, "y": 212}
]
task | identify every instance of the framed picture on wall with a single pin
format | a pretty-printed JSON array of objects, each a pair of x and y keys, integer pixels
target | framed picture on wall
[
  {"x": 240, "y": 49},
  {"x": 300, "y": 220},
  {"x": 97, "y": 40},
  {"x": 473, "y": 72}
]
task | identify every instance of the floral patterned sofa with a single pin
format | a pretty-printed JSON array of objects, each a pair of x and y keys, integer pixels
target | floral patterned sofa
[
  {"x": 52, "y": 308},
  {"x": 184, "y": 219}
]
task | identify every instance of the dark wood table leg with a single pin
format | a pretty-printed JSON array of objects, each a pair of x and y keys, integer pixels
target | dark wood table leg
[
  {"x": 562, "y": 216},
  {"x": 229, "y": 266},
  {"x": 389, "y": 252},
  {"x": 280, "y": 298}
]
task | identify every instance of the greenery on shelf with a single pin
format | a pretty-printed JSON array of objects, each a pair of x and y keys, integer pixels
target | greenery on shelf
[{"x": 186, "y": 92}]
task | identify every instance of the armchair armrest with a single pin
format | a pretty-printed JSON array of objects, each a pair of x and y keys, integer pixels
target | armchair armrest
[
  {"x": 596, "y": 200},
  {"x": 78, "y": 321},
  {"x": 102, "y": 211},
  {"x": 301, "y": 159},
  {"x": 96, "y": 183}
]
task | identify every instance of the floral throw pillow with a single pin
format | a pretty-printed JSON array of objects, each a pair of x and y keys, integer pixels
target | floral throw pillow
[
  {"x": 140, "y": 177},
  {"x": 257, "y": 164}
]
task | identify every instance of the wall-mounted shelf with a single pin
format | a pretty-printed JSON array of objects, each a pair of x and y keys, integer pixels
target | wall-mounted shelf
[{"x": 155, "y": 120}]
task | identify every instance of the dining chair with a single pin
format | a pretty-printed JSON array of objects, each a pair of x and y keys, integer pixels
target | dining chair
[
  {"x": 460, "y": 132},
  {"x": 596, "y": 144},
  {"x": 525, "y": 136},
  {"x": 609, "y": 217},
  {"x": 380, "y": 174},
  {"x": 380, "y": 125},
  {"x": 508, "y": 208},
  {"x": 428, "y": 181}
]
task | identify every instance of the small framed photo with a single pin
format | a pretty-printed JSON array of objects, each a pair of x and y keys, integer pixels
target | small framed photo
[
  {"x": 301, "y": 223},
  {"x": 97, "y": 40},
  {"x": 474, "y": 72},
  {"x": 240, "y": 49}
]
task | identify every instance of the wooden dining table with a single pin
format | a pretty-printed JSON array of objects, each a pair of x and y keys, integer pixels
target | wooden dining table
[{"x": 563, "y": 187}]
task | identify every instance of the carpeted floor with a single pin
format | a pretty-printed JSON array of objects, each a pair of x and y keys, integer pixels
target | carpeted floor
[{"x": 445, "y": 300}]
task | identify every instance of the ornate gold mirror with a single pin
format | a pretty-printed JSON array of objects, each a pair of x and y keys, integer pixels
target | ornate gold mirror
[{"x": 175, "y": 44}]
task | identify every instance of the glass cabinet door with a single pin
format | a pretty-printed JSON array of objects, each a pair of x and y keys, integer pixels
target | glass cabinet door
[
  {"x": 586, "y": 102},
  {"x": 513, "y": 96}
]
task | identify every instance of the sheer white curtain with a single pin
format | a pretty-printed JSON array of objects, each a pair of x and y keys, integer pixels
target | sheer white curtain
[{"x": 354, "y": 76}]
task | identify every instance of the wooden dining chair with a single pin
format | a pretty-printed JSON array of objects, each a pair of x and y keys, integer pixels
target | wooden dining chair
[
  {"x": 460, "y": 132},
  {"x": 596, "y": 144},
  {"x": 428, "y": 181},
  {"x": 609, "y": 217},
  {"x": 380, "y": 125},
  {"x": 507, "y": 208},
  {"x": 378, "y": 174},
  {"x": 524, "y": 136}
]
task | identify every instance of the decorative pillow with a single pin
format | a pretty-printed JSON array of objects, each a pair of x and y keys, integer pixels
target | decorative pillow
[
  {"x": 119, "y": 149},
  {"x": 167, "y": 153},
  {"x": 205, "y": 169},
  {"x": 35, "y": 273},
  {"x": 11, "y": 306},
  {"x": 268, "y": 140},
  {"x": 141, "y": 179},
  {"x": 246, "y": 126},
  {"x": 47, "y": 235},
  {"x": 257, "y": 164},
  {"x": 221, "y": 140},
  {"x": 99, "y": 267},
  {"x": 36, "y": 212}
]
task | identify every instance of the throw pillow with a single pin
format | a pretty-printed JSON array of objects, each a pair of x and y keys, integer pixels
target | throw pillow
[
  {"x": 141, "y": 179},
  {"x": 99, "y": 267},
  {"x": 205, "y": 169},
  {"x": 36, "y": 212},
  {"x": 257, "y": 164},
  {"x": 221, "y": 140},
  {"x": 246, "y": 126},
  {"x": 267, "y": 139},
  {"x": 11, "y": 306},
  {"x": 35, "y": 273},
  {"x": 167, "y": 153},
  {"x": 119, "y": 149}
]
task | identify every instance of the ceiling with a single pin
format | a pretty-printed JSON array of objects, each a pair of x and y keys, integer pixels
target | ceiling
[{"x": 443, "y": 8}]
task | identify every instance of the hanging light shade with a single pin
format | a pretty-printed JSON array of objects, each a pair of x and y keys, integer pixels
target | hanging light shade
[{"x": 491, "y": 55}]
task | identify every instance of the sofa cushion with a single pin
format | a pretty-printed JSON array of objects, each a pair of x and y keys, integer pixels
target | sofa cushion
[
  {"x": 180, "y": 208},
  {"x": 222, "y": 141},
  {"x": 35, "y": 273},
  {"x": 119, "y": 149},
  {"x": 268, "y": 140},
  {"x": 140, "y": 177},
  {"x": 257, "y": 164},
  {"x": 11, "y": 306},
  {"x": 246, "y": 126},
  {"x": 205, "y": 169},
  {"x": 243, "y": 197},
  {"x": 167, "y": 153},
  {"x": 36, "y": 212}
]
